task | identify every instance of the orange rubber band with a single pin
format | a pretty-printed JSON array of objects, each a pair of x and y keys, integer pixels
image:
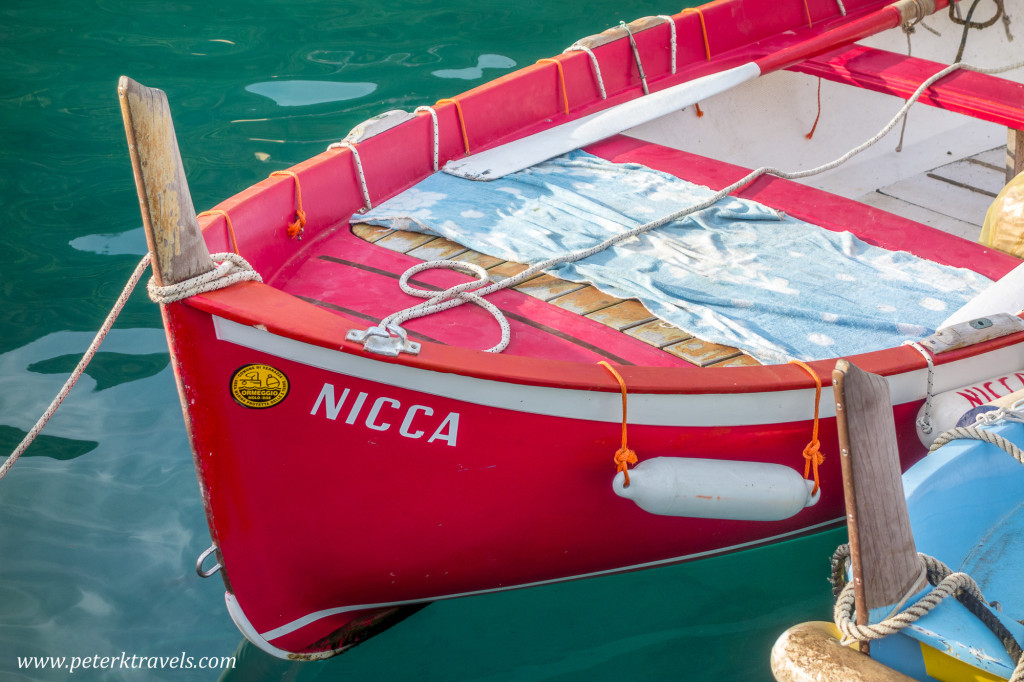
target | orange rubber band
[
  {"x": 561, "y": 80},
  {"x": 462, "y": 119},
  {"x": 227, "y": 220},
  {"x": 812, "y": 455},
  {"x": 807, "y": 11},
  {"x": 623, "y": 456},
  {"x": 295, "y": 228},
  {"x": 703, "y": 30},
  {"x": 818, "y": 117}
]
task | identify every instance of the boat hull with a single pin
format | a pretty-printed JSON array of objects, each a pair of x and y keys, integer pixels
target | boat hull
[
  {"x": 374, "y": 484},
  {"x": 344, "y": 489}
]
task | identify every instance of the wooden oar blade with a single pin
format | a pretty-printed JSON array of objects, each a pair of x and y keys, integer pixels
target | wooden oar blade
[
  {"x": 885, "y": 559},
  {"x": 172, "y": 231}
]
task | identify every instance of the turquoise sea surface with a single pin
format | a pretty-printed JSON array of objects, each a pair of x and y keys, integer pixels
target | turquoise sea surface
[{"x": 101, "y": 521}]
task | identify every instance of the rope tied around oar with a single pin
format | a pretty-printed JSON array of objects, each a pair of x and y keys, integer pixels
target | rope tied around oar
[
  {"x": 813, "y": 456},
  {"x": 945, "y": 583},
  {"x": 623, "y": 456},
  {"x": 231, "y": 270}
]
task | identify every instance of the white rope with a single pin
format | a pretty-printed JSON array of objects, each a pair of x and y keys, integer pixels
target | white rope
[
  {"x": 842, "y": 8},
  {"x": 576, "y": 47},
  {"x": 232, "y": 269},
  {"x": 461, "y": 295},
  {"x": 451, "y": 298},
  {"x": 437, "y": 142},
  {"x": 345, "y": 144},
  {"x": 672, "y": 38},
  {"x": 82, "y": 364},
  {"x": 925, "y": 422}
]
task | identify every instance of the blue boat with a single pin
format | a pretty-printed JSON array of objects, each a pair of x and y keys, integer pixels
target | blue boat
[{"x": 932, "y": 590}]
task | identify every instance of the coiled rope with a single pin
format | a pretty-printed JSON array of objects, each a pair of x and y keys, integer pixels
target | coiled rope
[
  {"x": 453, "y": 297},
  {"x": 232, "y": 269}
]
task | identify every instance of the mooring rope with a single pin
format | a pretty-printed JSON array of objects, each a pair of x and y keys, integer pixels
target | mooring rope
[
  {"x": 451, "y": 298},
  {"x": 945, "y": 583},
  {"x": 232, "y": 269},
  {"x": 119, "y": 304}
]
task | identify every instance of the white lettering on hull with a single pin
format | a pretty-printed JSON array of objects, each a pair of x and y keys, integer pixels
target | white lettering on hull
[{"x": 385, "y": 412}]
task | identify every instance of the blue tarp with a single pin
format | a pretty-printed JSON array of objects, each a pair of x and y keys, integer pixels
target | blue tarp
[{"x": 738, "y": 273}]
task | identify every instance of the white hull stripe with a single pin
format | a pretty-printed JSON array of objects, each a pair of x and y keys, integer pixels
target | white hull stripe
[{"x": 681, "y": 410}]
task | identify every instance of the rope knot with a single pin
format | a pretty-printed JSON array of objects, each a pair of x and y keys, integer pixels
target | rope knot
[
  {"x": 812, "y": 454},
  {"x": 623, "y": 458},
  {"x": 296, "y": 228},
  {"x": 232, "y": 268}
]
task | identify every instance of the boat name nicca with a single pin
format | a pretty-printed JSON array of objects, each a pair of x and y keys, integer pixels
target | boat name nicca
[{"x": 384, "y": 414}]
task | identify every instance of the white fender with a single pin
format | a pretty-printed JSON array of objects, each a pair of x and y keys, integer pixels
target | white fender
[
  {"x": 950, "y": 407},
  {"x": 716, "y": 489}
]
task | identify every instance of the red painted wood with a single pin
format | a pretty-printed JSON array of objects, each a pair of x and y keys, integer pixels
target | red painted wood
[
  {"x": 816, "y": 206},
  {"x": 977, "y": 95}
]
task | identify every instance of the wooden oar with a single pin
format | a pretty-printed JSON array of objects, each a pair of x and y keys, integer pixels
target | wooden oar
[
  {"x": 884, "y": 558},
  {"x": 515, "y": 156},
  {"x": 172, "y": 231}
]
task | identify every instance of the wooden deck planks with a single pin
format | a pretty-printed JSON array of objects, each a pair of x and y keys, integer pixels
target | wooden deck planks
[
  {"x": 622, "y": 315},
  {"x": 629, "y": 317},
  {"x": 546, "y": 287}
]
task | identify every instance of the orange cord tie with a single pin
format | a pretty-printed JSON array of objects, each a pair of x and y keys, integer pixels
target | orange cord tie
[
  {"x": 700, "y": 113},
  {"x": 818, "y": 117},
  {"x": 703, "y": 30},
  {"x": 623, "y": 456},
  {"x": 561, "y": 80},
  {"x": 296, "y": 228},
  {"x": 462, "y": 119},
  {"x": 812, "y": 454},
  {"x": 227, "y": 221},
  {"x": 807, "y": 11}
]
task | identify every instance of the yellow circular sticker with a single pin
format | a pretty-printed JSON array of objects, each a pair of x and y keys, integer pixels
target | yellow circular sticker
[{"x": 259, "y": 386}]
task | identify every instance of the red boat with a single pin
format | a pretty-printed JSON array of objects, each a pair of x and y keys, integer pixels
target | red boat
[{"x": 345, "y": 486}]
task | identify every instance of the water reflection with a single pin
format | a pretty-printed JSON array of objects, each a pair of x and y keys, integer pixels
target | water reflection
[
  {"x": 484, "y": 61},
  {"x": 297, "y": 93},
  {"x": 113, "y": 244}
]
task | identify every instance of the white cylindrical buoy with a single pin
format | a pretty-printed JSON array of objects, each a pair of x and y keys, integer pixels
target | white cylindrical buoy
[
  {"x": 949, "y": 407},
  {"x": 716, "y": 489}
]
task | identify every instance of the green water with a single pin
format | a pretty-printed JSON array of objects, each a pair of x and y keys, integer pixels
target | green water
[{"x": 100, "y": 522}]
